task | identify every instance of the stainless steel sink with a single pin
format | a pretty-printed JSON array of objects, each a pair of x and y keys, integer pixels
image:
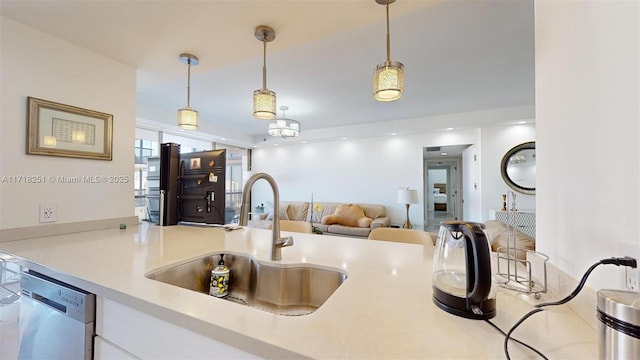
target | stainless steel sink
[{"x": 289, "y": 290}]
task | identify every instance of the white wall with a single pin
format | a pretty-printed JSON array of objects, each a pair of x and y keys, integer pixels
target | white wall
[
  {"x": 471, "y": 184},
  {"x": 358, "y": 170},
  {"x": 371, "y": 170},
  {"x": 496, "y": 141},
  {"x": 35, "y": 64},
  {"x": 588, "y": 130}
]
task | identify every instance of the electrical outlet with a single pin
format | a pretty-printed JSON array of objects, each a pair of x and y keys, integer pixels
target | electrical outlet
[
  {"x": 631, "y": 278},
  {"x": 48, "y": 213}
]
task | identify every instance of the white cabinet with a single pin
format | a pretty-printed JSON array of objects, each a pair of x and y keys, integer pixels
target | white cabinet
[
  {"x": 124, "y": 332},
  {"x": 524, "y": 221},
  {"x": 104, "y": 350}
]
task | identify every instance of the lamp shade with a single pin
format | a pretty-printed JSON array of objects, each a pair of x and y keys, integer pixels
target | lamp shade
[
  {"x": 284, "y": 128},
  {"x": 188, "y": 119},
  {"x": 388, "y": 81},
  {"x": 264, "y": 104},
  {"x": 407, "y": 196}
]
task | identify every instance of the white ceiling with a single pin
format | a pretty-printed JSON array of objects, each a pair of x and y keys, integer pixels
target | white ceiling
[{"x": 459, "y": 56}]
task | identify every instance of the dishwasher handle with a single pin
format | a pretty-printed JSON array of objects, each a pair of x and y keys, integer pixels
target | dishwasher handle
[{"x": 64, "y": 298}]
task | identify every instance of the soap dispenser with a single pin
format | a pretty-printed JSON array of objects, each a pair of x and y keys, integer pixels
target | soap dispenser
[{"x": 219, "y": 286}]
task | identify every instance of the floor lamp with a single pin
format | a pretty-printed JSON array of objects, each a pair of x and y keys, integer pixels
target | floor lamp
[{"x": 407, "y": 197}]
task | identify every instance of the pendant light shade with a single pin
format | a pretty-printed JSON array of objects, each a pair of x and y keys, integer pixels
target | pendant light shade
[
  {"x": 284, "y": 127},
  {"x": 388, "y": 81},
  {"x": 264, "y": 100},
  {"x": 388, "y": 78},
  {"x": 264, "y": 104},
  {"x": 188, "y": 119}
]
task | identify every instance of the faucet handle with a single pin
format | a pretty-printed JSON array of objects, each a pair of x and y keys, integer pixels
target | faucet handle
[{"x": 285, "y": 241}]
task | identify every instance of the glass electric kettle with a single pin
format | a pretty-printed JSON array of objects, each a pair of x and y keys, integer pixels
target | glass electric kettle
[{"x": 462, "y": 271}]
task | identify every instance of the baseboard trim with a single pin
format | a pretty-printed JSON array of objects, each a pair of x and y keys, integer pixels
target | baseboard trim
[{"x": 29, "y": 232}]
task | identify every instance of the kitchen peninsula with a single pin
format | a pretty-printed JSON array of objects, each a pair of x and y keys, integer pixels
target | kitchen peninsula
[{"x": 383, "y": 310}]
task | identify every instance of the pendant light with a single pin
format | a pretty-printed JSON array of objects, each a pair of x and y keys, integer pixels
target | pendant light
[
  {"x": 284, "y": 127},
  {"x": 188, "y": 118},
  {"x": 388, "y": 78},
  {"x": 264, "y": 100}
]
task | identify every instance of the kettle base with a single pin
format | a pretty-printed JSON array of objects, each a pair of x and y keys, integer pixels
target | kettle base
[{"x": 458, "y": 306}]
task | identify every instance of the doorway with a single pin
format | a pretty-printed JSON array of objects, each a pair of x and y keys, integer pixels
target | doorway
[{"x": 442, "y": 185}]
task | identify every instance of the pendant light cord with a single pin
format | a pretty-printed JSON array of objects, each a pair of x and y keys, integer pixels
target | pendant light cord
[
  {"x": 189, "y": 83},
  {"x": 388, "y": 37},
  {"x": 264, "y": 63}
]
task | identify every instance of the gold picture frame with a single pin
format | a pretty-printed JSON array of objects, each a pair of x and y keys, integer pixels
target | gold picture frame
[{"x": 63, "y": 130}]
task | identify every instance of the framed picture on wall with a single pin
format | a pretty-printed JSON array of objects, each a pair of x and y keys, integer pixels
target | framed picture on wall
[{"x": 64, "y": 130}]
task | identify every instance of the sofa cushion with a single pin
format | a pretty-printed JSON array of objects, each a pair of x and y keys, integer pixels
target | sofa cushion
[
  {"x": 282, "y": 212},
  {"x": 349, "y": 215},
  {"x": 380, "y": 222},
  {"x": 322, "y": 227},
  {"x": 322, "y": 209},
  {"x": 373, "y": 211},
  {"x": 298, "y": 210},
  {"x": 348, "y": 230},
  {"x": 500, "y": 234}
]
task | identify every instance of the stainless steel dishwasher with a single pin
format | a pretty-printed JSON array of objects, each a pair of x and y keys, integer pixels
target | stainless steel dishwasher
[{"x": 57, "y": 320}]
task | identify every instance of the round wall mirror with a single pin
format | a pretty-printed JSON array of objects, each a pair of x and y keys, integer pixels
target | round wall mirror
[{"x": 518, "y": 168}]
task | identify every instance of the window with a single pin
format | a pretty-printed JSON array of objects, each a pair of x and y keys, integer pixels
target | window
[
  {"x": 147, "y": 144},
  {"x": 233, "y": 184},
  {"x": 143, "y": 149}
]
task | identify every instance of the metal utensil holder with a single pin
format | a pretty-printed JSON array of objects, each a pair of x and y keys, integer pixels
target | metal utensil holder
[{"x": 518, "y": 273}]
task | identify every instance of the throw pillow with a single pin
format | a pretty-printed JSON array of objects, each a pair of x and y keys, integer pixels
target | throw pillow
[
  {"x": 348, "y": 215},
  {"x": 282, "y": 212}
]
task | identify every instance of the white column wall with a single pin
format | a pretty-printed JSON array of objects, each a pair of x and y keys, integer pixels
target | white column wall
[
  {"x": 588, "y": 130},
  {"x": 36, "y": 64}
]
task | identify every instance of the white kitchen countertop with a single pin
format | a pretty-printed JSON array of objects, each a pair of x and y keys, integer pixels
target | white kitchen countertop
[{"x": 383, "y": 310}]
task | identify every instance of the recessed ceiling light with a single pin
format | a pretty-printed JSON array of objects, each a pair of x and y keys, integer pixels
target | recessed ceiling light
[
  {"x": 449, "y": 129},
  {"x": 522, "y": 122},
  {"x": 443, "y": 154},
  {"x": 344, "y": 138},
  {"x": 394, "y": 134}
]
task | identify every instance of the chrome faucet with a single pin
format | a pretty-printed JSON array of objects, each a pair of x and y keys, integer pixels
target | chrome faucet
[{"x": 277, "y": 243}]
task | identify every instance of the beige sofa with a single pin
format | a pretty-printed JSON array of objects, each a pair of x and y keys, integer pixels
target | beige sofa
[
  {"x": 302, "y": 211},
  {"x": 500, "y": 234}
]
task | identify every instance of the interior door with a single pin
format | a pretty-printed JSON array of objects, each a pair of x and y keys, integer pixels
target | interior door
[{"x": 442, "y": 192}]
